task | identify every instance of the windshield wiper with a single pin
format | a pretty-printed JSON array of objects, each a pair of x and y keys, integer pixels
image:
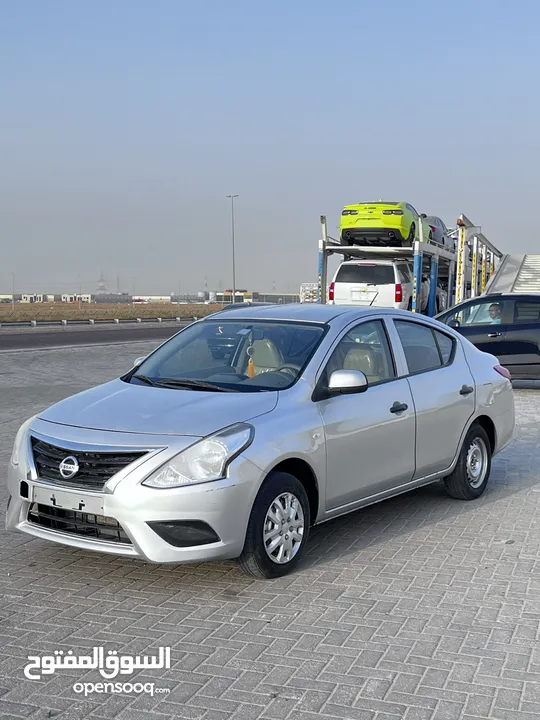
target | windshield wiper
[
  {"x": 146, "y": 380},
  {"x": 192, "y": 384}
]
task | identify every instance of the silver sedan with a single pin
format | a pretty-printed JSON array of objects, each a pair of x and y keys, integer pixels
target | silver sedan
[{"x": 310, "y": 412}]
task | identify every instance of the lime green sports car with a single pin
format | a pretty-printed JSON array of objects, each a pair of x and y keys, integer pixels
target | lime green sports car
[{"x": 382, "y": 224}]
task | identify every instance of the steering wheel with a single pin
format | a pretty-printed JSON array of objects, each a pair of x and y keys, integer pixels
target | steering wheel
[{"x": 289, "y": 368}]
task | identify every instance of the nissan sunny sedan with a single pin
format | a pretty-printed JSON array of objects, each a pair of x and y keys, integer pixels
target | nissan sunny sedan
[{"x": 315, "y": 412}]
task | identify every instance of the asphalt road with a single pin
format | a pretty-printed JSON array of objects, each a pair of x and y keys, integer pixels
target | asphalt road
[{"x": 41, "y": 338}]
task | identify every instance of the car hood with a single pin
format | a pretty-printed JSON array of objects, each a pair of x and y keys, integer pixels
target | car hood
[{"x": 121, "y": 407}]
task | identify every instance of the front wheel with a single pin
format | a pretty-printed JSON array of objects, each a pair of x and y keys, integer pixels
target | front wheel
[
  {"x": 471, "y": 474},
  {"x": 278, "y": 528}
]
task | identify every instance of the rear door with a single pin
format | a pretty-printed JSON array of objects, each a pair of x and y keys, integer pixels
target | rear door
[
  {"x": 443, "y": 391},
  {"x": 519, "y": 349},
  {"x": 365, "y": 283}
]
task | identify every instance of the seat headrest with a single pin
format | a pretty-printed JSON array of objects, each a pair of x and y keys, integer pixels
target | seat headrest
[{"x": 362, "y": 359}]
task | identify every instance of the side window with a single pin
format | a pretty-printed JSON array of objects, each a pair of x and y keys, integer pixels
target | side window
[
  {"x": 527, "y": 312},
  {"x": 481, "y": 313},
  {"x": 420, "y": 347},
  {"x": 446, "y": 346},
  {"x": 405, "y": 273},
  {"x": 410, "y": 207},
  {"x": 365, "y": 348}
]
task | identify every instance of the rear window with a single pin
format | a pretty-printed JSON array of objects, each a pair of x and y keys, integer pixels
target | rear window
[{"x": 371, "y": 274}]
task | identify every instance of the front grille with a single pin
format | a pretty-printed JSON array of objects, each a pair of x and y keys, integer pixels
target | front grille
[
  {"x": 95, "y": 468},
  {"x": 85, "y": 525}
]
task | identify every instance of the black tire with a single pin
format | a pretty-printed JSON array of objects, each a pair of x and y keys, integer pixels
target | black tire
[
  {"x": 411, "y": 237},
  {"x": 409, "y": 306},
  {"x": 460, "y": 483},
  {"x": 254, "y": 559}
]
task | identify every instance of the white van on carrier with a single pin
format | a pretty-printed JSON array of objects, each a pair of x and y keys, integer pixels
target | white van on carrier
[{"x": 379, "y": 283}]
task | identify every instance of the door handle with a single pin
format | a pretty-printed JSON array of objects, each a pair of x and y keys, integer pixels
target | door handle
[
  {"x": 466, "y": 390},
  {"x": 398, "y": 407},
  {"x": 495, "y": 334}
]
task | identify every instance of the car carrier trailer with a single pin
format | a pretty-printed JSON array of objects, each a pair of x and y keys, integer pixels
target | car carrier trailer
[{"x": 466, "y": 268}]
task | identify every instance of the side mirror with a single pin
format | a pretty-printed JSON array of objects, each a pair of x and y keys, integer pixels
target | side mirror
[
  {"x": 139, "y": 361},
  {"x": 454, "y": 324},
  {"x": 347, "y": 382}
]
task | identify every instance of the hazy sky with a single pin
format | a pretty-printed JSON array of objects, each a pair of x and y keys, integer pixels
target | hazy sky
[{"x": 124, "y": 123}]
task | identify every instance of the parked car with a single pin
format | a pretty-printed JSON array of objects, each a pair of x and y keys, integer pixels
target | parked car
[
  {"x": 506, "y": 325},
  {"x": 380, "y": 283},
  {"x": 320, "y": 411},
  {"x": 439, "y": 231},
  {"x": 390, "y": 224}
]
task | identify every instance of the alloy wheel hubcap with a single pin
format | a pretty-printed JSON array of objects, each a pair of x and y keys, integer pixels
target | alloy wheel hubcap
[
  {"x": 476, "y": 463},
  {"x": 283, "y": 531}
]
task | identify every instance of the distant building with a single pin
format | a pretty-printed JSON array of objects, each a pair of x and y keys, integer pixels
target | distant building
[
  {"x": 225, "y": 297},
  {"x": 309, "y": 292},
  {"x": 72, "y": 298},
  {"x": 151, "y": 299},
  {"x": 36, "y": 298}
]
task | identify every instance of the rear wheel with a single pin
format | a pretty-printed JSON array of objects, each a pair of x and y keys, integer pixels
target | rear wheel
[
  {"x": 412, "y": 235},
  {"x": 278, "y": 528},
  {"x": 471, "y": 474}
]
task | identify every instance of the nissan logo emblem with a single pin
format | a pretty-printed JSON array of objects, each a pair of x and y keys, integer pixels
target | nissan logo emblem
[{"x": 69, "y": 467}]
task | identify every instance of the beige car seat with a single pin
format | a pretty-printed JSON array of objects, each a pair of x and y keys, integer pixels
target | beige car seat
[
  {"x": 265, "y": 356},
  {"x": 364, "y": 360}
]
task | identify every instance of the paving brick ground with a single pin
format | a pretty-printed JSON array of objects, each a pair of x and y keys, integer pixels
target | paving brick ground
[{"x": 419, "y": 608}]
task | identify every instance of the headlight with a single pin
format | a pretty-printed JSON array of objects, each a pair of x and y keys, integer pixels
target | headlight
[
  {"x": 205, "y": 461},
  {"x": 19, "y": 438}
]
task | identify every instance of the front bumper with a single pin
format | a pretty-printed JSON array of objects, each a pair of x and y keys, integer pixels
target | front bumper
[{"x": 224, "y": 506}]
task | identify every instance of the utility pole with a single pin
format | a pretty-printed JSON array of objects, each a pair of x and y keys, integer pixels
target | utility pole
[
  {"x": 232, "y": 197},
  {"x": 13, "y": 291}
]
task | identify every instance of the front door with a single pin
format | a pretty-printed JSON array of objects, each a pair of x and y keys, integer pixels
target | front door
[
  {"x": 370, "y": 437},
  {"x": 483, "y": 322}
]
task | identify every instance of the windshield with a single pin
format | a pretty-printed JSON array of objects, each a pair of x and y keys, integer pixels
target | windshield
[{"x": 231, "y": 355}]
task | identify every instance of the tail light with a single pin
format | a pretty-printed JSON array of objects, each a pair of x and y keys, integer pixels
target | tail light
[
  {"x": 350, "y": 212},
  {"x": 392, "y": 212},
  {"x": 503, "y": 371},
  {"x": 331, "y": 292},
  {"x": 432, "y": 228},
  {"x": 399, "y": 293}
]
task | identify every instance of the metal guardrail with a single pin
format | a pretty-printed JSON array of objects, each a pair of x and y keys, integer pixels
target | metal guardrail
[{"x": 92, "y": 321}]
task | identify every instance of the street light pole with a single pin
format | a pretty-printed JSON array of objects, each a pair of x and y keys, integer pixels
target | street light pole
[
  {"x": 232, "y": 197},
  {"x": 13, "y": 291}
]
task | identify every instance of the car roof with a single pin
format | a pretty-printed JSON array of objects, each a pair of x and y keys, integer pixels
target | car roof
[
  {"x": 374, "y": 261},
  {"x": 500, "y": 296},
  {"x": 312, "y": 312},
  {"x": 309, "y": 312},
  {"x": 509, "y": 295},
  {"x": 377, "y": 202}
]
